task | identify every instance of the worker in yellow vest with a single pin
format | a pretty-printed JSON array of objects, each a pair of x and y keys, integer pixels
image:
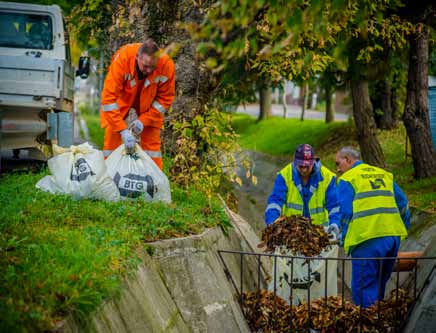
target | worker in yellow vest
[
  {"x": 305, "y": 187},
  {"x": 375, "y": 216}
]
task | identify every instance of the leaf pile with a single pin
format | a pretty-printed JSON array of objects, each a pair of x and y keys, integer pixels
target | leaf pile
[
  {"x": 265, "y": 315},
  {"x": 297, "y": 234},
  {"x": 266, "y": 312}
]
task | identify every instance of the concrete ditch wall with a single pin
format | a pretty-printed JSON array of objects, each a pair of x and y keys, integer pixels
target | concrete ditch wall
[{"x": 181, "y": 287}]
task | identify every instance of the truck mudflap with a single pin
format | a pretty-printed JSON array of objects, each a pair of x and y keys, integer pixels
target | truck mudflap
[{"x": 60, "y": 128}]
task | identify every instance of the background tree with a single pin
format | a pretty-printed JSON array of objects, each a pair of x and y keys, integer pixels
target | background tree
[
  {"x": 416, "y": 118},
  {"x": 331, "y": 79},
  {"x": 253, "y": 41},
  {"x": 388, "y": 89},
  {"x": 265, "y": 100},
  {"x": 297, "y": 39}
]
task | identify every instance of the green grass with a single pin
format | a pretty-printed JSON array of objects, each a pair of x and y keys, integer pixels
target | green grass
[
  {"x": 320, "y": 106},
  {"x": 277, "y": 136},
  {"x": 96, "y": 133},
  {"x": 92, "y": 119},
  {"x": 60, "y": 256}
]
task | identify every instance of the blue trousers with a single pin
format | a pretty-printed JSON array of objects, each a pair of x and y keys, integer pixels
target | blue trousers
[{"x": 369, "y": 277}]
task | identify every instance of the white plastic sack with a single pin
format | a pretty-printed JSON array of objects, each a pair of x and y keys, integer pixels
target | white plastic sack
[
  {"x": 138, "y": 176},
  {"x": 79, "y": 171},
  {"x": 302, "y": 278}
]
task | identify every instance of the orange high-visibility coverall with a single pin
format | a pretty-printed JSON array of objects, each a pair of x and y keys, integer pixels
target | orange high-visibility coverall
[{"x": 150, "y": 97}]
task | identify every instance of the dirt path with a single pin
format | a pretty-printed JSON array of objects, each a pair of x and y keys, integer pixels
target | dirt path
[{"x": 252, "y": 198}]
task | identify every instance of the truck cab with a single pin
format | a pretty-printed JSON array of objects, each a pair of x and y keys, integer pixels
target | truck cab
[{"x": 36, "y": 78}]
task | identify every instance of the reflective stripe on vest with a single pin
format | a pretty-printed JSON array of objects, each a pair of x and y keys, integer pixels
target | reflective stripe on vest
[
  {"x": 146, "y": 83},
  {"x": 295, "y": 206},
  {"x": 375, "y": 193},
  {"x": 294, "y": 203},
  {"x": 109, "y": 107},
  {"x": 158, "y": 107},
  {"x": 316, "y": 210},
  {"x": 375, "y": 212}
]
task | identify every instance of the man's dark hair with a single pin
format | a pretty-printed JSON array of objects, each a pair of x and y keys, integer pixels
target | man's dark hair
[{"x": 149, "y": 47}]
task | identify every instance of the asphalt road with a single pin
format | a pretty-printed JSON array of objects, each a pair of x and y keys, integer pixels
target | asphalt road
[{"x": 293, "y": 111}]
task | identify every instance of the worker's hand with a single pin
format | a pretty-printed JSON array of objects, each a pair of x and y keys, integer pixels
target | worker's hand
[
  {"x": 137, "y": 126},
  {"x": 333, "y": 229},
  {"x": 129, "y": 140}
]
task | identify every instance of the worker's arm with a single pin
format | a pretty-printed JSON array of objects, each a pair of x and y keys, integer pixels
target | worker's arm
[
  {"x": 166, "y": 91},
  {"x": 332, "y": 203},
  {"x": 403, "y": 205},
  {"x": 276, "y": 200},
  {"x": 113, "y": 88},
  {"x": 346, "y": 195}
]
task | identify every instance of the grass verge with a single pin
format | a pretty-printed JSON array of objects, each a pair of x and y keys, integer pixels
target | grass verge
[
  {"x": 96, "y": 133},
  {"x": 278, "y": 136},
  {"x": 60, "y": 256},
  {"x": 92, "y": 119}
]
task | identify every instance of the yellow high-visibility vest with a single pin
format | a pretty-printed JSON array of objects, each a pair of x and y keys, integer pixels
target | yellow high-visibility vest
[
  {"x": 317, "y": 203},
  {"x": 375, "y": 212}
]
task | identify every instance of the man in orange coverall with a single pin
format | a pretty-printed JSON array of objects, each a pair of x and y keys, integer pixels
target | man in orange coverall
[{"x": 141, "y": 77}]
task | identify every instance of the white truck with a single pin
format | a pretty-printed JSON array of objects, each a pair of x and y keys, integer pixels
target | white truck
[{"x": 36, "y": 78}]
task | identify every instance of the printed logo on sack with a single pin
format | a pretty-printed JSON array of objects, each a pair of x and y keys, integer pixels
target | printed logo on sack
[
  {"x": 133, "y": 186},
  {"x": 81, "y": 170},
  {"x": 301, "y": 283}
]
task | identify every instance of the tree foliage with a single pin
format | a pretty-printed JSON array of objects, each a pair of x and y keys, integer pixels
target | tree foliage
[
  {"x": 244, "y": 43},
  {"x": 90, "y": 22},
  {"x": 300, "y": 39}
]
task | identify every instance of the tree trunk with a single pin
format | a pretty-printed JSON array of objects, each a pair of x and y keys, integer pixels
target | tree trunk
[
  {"x": 285, "y": 108},
  {"x": 366, "y": 129},
  {"x": 265, "y": 96},
  {"x": 395, "y": 109},
  {"x": 329, "y": 111},
  {"x": 303, "y": 105},
  {"x": 309, "y": 98},
  {"x": 386, "y": 120},
  {"x": 416, "y": 118},
  {"x": 158, "y": 20}
]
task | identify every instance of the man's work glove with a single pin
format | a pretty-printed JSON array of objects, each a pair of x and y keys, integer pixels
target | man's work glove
[
  {"x": 136, "y": 126},
  {"x": 129, "y": 140},
  {"x": 333, "y": 229}
]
